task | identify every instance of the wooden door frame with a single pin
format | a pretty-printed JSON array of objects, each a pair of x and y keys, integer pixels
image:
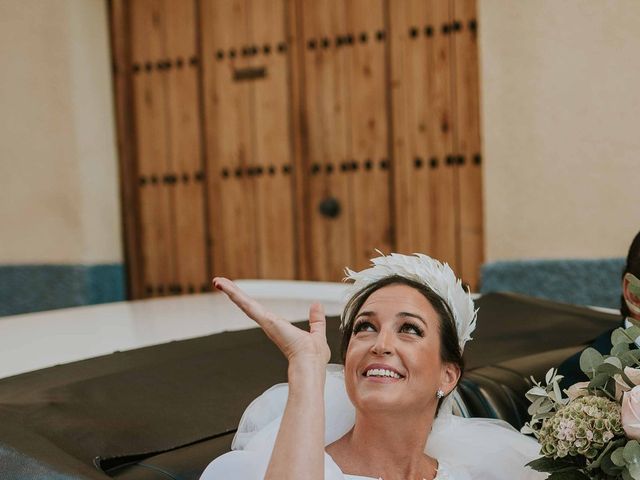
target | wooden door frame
[{"x": 120, "y": 40}]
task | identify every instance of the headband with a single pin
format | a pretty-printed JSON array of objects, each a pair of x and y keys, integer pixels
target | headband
[{"x": 427, "y": 271}]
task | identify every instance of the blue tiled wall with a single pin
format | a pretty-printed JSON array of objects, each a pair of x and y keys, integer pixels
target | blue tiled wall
[
  {"x": 33, "y": 288},
  {"x": 581, "y": 282}
]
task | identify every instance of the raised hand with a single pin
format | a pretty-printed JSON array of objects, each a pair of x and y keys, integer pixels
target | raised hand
[
  {"x": 296, "y": 344},
  {"x": 308, "y": 354}
]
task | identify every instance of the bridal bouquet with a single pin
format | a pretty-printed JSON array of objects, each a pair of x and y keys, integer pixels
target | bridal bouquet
[{"x": 592, "y": 429}]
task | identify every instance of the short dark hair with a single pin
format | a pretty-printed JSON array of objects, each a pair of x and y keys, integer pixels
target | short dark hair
[
  {"x": 450, "y": 351},
  {"x": 632, "y": 266}
]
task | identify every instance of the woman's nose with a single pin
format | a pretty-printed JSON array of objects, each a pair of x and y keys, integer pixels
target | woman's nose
[{"x": 383, "y": 344}]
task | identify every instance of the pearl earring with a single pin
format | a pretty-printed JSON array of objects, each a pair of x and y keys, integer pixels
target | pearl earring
[{"x": 440, "y": 394}]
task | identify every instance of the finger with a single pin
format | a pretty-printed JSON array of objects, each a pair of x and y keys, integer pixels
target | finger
[
  {"x": 248, "y": 305},
  {"x": 317, "y": 320}
]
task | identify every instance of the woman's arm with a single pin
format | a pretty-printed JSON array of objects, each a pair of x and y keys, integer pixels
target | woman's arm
[{"x": 299, "y": 448}]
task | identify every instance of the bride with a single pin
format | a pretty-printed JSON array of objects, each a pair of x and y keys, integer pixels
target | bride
[{"x": 387, "y": 413}]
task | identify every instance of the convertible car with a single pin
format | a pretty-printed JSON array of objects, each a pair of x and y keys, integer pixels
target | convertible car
[{"x": 164, "y": 411}]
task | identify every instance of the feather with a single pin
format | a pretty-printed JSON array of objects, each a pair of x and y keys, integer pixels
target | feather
[{"x": 423, "y": 269}]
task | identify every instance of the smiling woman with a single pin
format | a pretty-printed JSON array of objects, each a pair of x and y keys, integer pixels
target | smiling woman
[
  {"x": 404, "y": 331},
  {"x": 399, "y": 324},
  {"x": 436, "y": 324}
]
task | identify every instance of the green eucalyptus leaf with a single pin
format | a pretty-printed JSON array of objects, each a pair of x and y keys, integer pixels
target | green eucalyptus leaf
[
  {"x": 634, "y": 470},
  {"x": 550, "y": 465},
  {"x": 632, "y": 357},
  {"x": 632, "y": 332},
  {"x": 619, "y": 349},
  {"x": 627, "y": 380},
  {"x": 536, "y": 392},
  {"x": 605, "y": 455},
  {"x": 590, "y": 360},
  {"x": 542, "y": 416},
  {"x": 617, "y": 458},
  {"x": 599, "y": 381},
  {"x": 615, "y": 361},
  {"x": 608, "y": 467},
  {"x": 535, "y": 405},
  {"x": 609, "y": 368},
  {"x": 631, "y": 452},
  {"x": 557, "y": 393},
  {"x": 547, "y": 407},
  {"x": 610, "y": 391},
  {"x": 619, "y": 337},
  {"x": 541, "y": 464}
]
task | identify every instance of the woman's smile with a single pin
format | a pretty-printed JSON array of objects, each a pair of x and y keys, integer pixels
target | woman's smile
[{"x": 382, "y": 373}]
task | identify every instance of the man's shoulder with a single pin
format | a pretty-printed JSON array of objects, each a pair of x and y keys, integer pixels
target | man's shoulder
[{"x": 570, "y": 368}]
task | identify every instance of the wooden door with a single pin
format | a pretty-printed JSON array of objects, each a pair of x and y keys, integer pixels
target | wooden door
[
  {"x": 168, "y": 152},
  {"x": 292, "y": 138},
  {"x": 423, "y": 141},
  {"x": 345, "y": 160},
  {"x": 467, "y": 140},
  {"x": 247, "y": 128},
  {"x": 186, "y": 174}
]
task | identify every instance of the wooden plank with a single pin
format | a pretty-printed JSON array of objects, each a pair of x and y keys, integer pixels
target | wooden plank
[
  {"x": 424, "y": 150},
  {"x": 368, "y": 126},
  {"x": 411, "y": 116},
  {"x": 468, "y": 141},
  {"x": 120, "y": 36},
  {"x": 312, "y": 145},
  {"x": 424, "y": 183},
  {"x": 151, "y": 127},
  {"x": 185, "y": 154},
  {"x": 326, "y": 123},
  {"x": 228, "y": 133},
  {"x": 402, "y": 190},
  {"x": 299, "y": 144},
  {"x": 273, "y": 158},
  {"x": 442, "y": 180},
  {"x": 441, "y": 126},
  {"x": 336, "y": 118}
]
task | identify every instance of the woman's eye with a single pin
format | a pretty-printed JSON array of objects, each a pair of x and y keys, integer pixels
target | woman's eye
[
  {"x": 363, "y": 327},
  {"x": 410, "y": 328}
]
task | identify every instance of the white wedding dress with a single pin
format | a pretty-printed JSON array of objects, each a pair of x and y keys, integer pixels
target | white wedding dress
[{"x": 466, "y": 448}]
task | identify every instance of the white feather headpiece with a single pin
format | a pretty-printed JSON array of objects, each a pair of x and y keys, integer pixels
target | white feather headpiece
[{"x": 430, "y": 272}]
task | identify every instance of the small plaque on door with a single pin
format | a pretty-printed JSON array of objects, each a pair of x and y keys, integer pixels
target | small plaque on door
[{"x": 250, "y": 73}]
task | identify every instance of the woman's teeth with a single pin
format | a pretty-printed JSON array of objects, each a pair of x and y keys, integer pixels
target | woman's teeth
[{"x": 379, "y": 372}]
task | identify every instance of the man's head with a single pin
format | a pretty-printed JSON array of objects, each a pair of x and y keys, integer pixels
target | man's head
[{"x": 629, "y": 284}]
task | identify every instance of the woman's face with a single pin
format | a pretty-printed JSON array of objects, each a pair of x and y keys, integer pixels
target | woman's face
[{"x": 393, "y": 358}]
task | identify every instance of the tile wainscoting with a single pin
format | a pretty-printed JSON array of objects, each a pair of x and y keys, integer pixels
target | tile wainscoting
[
  {"x": 34, "y": 288},
  {"x": 593, "y": 282}
]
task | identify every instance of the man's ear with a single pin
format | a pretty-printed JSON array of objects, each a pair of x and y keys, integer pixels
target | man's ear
[{"x": 449, "y": 377}]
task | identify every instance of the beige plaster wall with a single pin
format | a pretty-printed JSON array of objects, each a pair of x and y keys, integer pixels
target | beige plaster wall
[
  {"x": 59, "y": 198},
  {"x": 561, "y": 116},
  {"x": 560, "y": 96}
]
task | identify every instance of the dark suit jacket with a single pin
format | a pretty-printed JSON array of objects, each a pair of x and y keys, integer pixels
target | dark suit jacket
[{"x": 570, "y": 368}]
